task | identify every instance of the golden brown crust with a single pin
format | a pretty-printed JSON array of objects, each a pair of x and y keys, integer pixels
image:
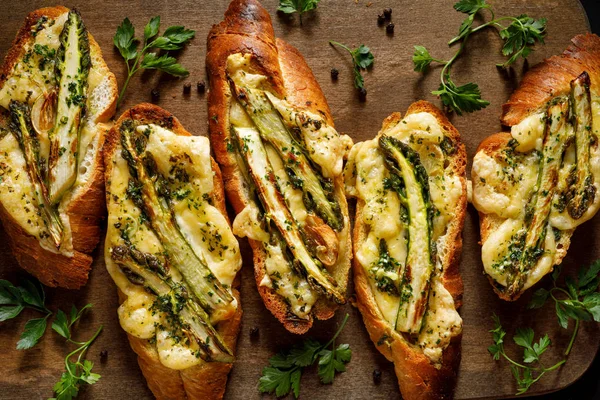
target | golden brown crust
[
  {"x": 247, "y": 29},
  {"x": 552, "y": 77},
  {"x": 417, "y": 377},
  {"x": 85, "y": 210},
  {"x": 205, "y": 380}
]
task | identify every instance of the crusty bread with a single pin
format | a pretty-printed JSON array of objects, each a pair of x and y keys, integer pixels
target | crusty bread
[
  {"x": 417, "y": 376},
  {"x": 247, "y": 29},
  {"x": 206, "y": 380},
  {"x": 84, "y": 205},
  {"x": 541, "y": 84}
]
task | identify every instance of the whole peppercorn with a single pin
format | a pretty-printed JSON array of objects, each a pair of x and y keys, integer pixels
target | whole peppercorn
[
  {"x": 387, "y": 13},
  {"x": 155, "y": 94},
  {"x": 380, "y": 19},
  {"x": 187, "y": 88},
  {"x": 254, "y": 332},
  {"x": 103, "y": 355},
  {"x": 334, "y": 74},
  {"x": 201, "y": 86},
  {"x": 362, "y": 94},
  {"x": 377, "y": 376},
  {"x": 390, "y": 28}
]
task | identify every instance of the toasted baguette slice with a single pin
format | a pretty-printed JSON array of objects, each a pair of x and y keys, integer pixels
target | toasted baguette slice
[
  {"x": 82, "y": 208},
  {"x": 247, "y": 30},
  {"x": 500, "y": 198},
  {"x": 426, "y": 363},
  {"x": 169, "y": 377}
]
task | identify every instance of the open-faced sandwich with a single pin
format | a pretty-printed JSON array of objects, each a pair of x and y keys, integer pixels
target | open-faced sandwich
[
  {"x": 535, "y": 185},
  {"x": 171, "y": 252},
  {"x": 281, "y": 157},
  {"x": 56, "y": 99},
  {"x": 411, "y": 194}
]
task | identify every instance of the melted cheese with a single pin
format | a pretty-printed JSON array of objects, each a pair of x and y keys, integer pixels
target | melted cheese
[
  {"x": 364, "y": 177},
  {"x": 204, "y": 227},
  {"x": 30, "y": 79},
  {"x": 503, "y": 188}
]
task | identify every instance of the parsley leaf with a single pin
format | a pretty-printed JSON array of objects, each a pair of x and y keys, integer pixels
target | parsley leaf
[
  {"x": 362, "y": 58},
  {"x": 299, "y": 6},
  {"x": 173, "y": 38},
  {"x": 525, "y": 374},
  {"x": 285, "y": 369},
  {"x": 519, "y": 38},
  {"x": 14, "y": 299},
  {"x": 77, "y": 372}
]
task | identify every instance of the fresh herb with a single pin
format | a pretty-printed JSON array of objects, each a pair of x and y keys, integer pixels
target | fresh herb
[
  {"x": 532, "y": 368},
  {"x": 14, "y": 299},
  {"x": 173, "y": 38},
  {"x": 299, "y": 6},
  {"x": 578, "y": 301},
  {"x": 519, "y": 38},
  {"x": 78, "y": 370},
  {"x": 285, "y": 369},
  {"x": 362, "y": 58}
]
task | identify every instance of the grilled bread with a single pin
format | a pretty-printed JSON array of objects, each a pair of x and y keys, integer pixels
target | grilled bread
[
  {"x": 273, "y": 136},
  {"x": 170, "y": 250},
  {"x": 535, "y": 185},
  {"x": 57, "y": 97},
  {"x": 410, "y": 187}
]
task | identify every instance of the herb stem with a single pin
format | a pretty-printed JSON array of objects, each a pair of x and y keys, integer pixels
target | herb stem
[
  {"x": 334, "y": 43},
  {"x": 338, "y": 331},
  {"x": 573, "y": 336}
]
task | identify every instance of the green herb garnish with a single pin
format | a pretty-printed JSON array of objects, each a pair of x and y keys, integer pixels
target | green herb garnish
[
  {"x": 78, "y": 370},
  {"x": 285, "y": 369},
  {"x": 299, "y": 6},
  {"x": 519, "y": 38},
  {"x": 173, "y": 38},
  {"x": 362, "y": 58}
]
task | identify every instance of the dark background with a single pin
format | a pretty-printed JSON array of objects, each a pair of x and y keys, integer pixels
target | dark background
[{"x": 588, "y": 387}]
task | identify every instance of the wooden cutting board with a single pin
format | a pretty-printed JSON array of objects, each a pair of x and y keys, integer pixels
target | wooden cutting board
[{"x": 392, "y": 86}]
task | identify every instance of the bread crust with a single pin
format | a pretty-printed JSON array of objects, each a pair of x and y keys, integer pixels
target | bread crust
[
  {"x": 552, "y": 78},
  {"x": 417, "y": 377},
  {"x": 205, "y": 380},
  {"x": 86, "y": 208},
  {"x": 247, "y": 29}
]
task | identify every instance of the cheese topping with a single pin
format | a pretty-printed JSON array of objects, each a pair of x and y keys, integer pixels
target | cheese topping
[
  {"x": 31, "y": 79},
  {"x": 202, "y": 224},
  {"x": 366, "y": 176},
  {"x": 504, "y": 182}
]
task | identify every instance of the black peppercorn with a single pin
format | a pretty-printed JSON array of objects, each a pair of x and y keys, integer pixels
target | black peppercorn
[
  {"x": 334, "y": 74},
  {"x": 201, "y": 86},
  {"x": 362, "y": 94},
  {"x": 377, "y": 376},
  {"x": 380, "y": 19},
  {"x": 103, "y": 355},
  {"x": 387, "y": 13},
  {"x": 155, "y": 94},
  {"x": 390, "y": 28},
  {"x": 254, "y": 333},
  {"x": 187, "y": 88}
]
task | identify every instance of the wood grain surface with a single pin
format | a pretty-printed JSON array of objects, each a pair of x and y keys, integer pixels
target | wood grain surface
[{"x": 392, "y": 86}]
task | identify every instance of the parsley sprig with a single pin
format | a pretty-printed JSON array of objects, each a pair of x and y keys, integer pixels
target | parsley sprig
[
  {"x": 173, "y": 38},
  {"x": 299, "y": 6},
  {"x": 578, "y": 301},
  {"x": 519, "y": 36},
  {"x": 14, "y": 299},
  {"x": 78, "y": 370},
  {"x": 531, "y": 369},
  {"x": 362, "y": 58},
  {"x": 285, "y": 369}
]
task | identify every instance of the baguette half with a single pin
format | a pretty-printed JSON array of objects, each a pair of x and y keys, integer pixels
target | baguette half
[
  {"x": 500, "y": 198},
  {"x": 168, "y": 376},
  {"x": 247, "y": 31},
  {"x": 426, "y": 362},
  {"x": 82, "y": 208}
]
